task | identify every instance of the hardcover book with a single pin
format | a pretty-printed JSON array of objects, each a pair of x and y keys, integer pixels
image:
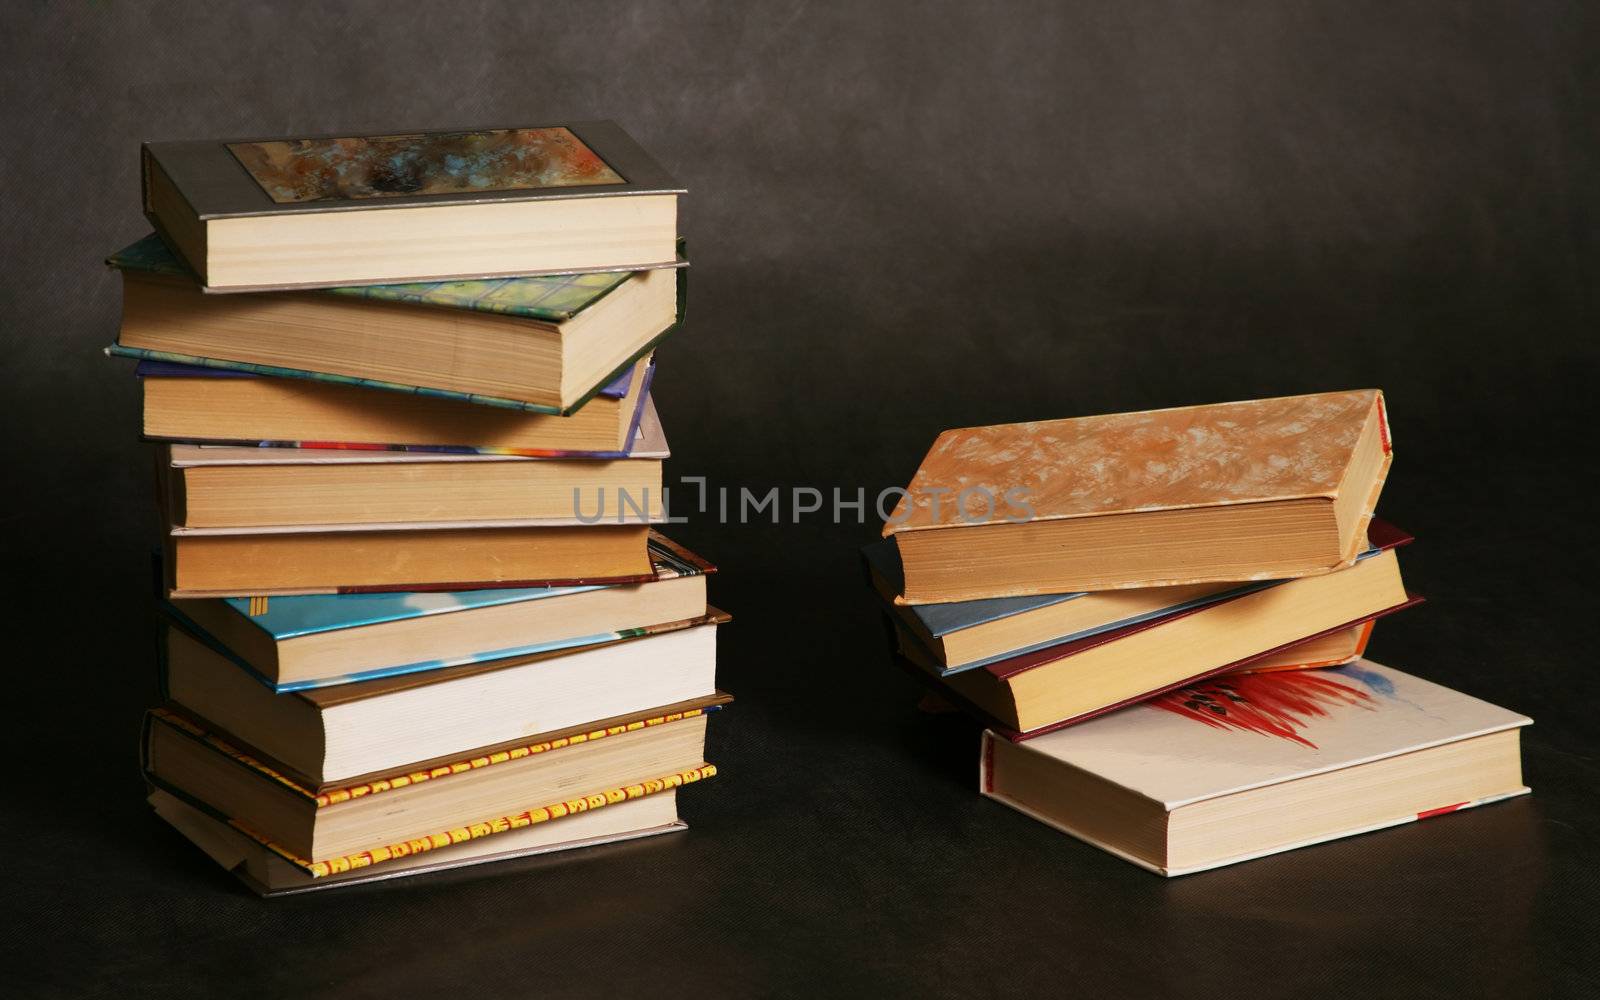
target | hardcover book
[
  {"x": 313, "y": 211},
  {"x": 193, "y": 403},
  {"x": 342, "y": 733},
  {"x": 1257, "y": 490},
  {"x": 965, "y": 635},
  {"x": 184, "y": 757},
  {"x": 298, "y": 642},
  {"x": 243, "y": 488},
  {"x": 1060, "y": 685},
  {"x": 544, "y": 345},
  {"x": 1240, "y": 767}
]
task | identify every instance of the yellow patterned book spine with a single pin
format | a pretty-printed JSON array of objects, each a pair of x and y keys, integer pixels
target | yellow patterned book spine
[
  {"x": 462, "y": 834},
  {"x": 336, "y": 795}
]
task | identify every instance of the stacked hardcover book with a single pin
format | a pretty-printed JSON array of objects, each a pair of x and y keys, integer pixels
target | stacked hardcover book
[
  {"x": 1160, "y": 617},
  {"x": 415, "y": 611}
]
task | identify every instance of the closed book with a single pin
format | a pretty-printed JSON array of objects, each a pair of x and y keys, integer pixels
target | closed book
[
  {"x": 1244, "y": 766},
  {"x": 965, "y": 635},
  {"x": 182, "y": 755},
  {"x": 194, "y": 403},
  {"x": 238, "y": 487},
  {"x": 1063, "y": 684},
  {"x": 544, "y": 345},
  {"x": 1257, "y": 490},
  {"x": 341, "y": 733},
  {"x": 281, "y": 212},
  {"x": 268, "y": 873},
  {"x": 305, "y": 641}
]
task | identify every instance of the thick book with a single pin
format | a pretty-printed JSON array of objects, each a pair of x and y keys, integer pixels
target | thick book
[
  {"x": 183, "y": 756},
  {"x": 1241, "y": 767},
  {"x": 282, "y": 212},
  {"x": 237, "y": 487},
  {"x": 299, "y": 642},
  {"x": 1059, "y": 685},
  {"x": 1257, "y": 490},
  {"x": 193, "y": 403},
  {"x": 342, "y": 733},
  {"x": 267, "y": 873},
  {"x": 965, "y": 635},
  {"x": 545, "y": 345}
]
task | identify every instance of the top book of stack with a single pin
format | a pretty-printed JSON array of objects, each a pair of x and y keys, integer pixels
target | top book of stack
[
  {"x": 295, "y": 212},
  {"x": 1265, "y": 489}
]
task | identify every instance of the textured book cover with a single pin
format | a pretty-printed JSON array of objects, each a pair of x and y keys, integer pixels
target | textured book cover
[
  {"x": 293, "y": 616},
  {"x": 542, "y": 813},
  {"x": 1233, "y": 734}
]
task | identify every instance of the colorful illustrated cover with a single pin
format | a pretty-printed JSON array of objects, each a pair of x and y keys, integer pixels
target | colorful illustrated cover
[
  {"x": 548, "y": 298},
  {"x": 444, "y": 838},
  {"x": 308, "y": 614},
  {"x": 1232, "y": 734},
  {"x": 190, "y": 360},
  {"x": 941, "y": 619}
]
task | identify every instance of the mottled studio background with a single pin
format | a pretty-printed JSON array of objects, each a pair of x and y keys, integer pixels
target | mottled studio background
[{"x": 903, "y": 217}]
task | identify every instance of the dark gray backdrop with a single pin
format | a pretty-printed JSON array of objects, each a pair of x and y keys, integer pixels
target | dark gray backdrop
[{"x": 903, "y": 217}]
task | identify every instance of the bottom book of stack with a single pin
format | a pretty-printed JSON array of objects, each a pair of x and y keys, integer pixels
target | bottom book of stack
[
  {"x": 1241, "y": 766},
  {"x": 281, "y": 831}
]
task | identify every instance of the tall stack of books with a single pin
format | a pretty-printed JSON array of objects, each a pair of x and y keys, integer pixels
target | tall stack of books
[
  {"x": 1218, "y": 569},
  {"x": 415, "y": 613}
]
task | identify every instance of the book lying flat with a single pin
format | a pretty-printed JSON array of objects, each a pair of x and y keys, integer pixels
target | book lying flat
[
  {"x": 965, "y": 635},
  {"x": 1240, "y": 767},
  {"x": 309, "y": 211},
  {"x": 1258, "y": 490},
  {"x": 299, "y": 642},
  {"x": 267, "y": 873},
  {"x": 216, "y": 486},
  {"x": 1331, "y": 649},
  {"x": 194, "y": 403},
  {"x": 182, "y": 755},
  {"x": 342, "y": 733},
  {"x": 408, "y": 557},
  {"x": 546, "y": 345},
  {"x": 1060, "y": 685}
]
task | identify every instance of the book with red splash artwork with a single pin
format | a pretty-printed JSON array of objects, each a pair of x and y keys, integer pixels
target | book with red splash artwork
[{"x": 1242, "y": 766}]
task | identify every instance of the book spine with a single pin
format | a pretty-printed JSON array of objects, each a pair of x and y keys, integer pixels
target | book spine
[
  {"x": 474, "y": 831},
  {"x": 986, "y": 764}
]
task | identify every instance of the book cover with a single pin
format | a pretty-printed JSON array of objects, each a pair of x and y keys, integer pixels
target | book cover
[
  {"x": 1232, "y": 734},
  {"x": 274, "y": 175},
  {"x": 1219, "y": 454}
]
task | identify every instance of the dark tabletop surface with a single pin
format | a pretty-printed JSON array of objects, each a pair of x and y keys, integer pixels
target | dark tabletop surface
[{"x": 903, "y": 217}]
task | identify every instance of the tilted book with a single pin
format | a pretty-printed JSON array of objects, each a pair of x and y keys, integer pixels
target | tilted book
[
  {"x": 1243, "y": 766},
  {"x": 542, "y": 345},
  {"x": 283, "y": 212},
  {"x": 1257, "y": 490}
]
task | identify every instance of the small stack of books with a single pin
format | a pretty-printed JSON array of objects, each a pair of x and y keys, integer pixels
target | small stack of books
[
  {"x": 1219, "y": 569},
  {"x": 415, "y": 611}
]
